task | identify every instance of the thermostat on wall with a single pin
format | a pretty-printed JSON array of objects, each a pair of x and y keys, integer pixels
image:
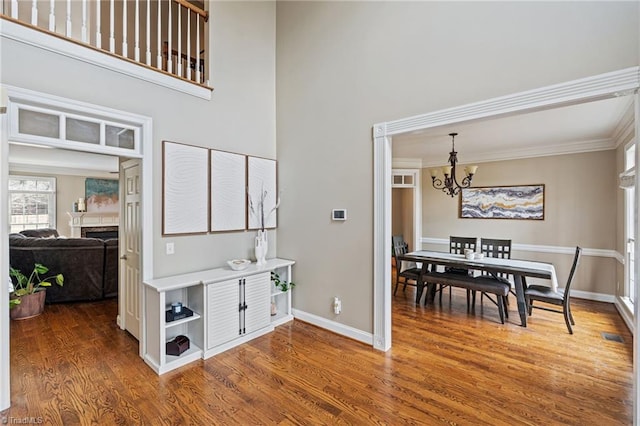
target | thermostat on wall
[{"x": 339, "y": 214}]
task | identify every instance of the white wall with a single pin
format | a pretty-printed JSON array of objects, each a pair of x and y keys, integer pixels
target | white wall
[{"x": 343, "y": 66}]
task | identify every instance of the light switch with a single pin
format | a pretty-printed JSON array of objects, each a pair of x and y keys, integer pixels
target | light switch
[{"x": 170, "y": 248}]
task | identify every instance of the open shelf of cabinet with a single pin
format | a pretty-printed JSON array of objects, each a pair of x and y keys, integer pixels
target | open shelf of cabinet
[{"x": 281, "y": 298}]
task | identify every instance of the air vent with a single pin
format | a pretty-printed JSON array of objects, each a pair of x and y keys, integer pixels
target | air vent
[{"x": 613, "y": 337}]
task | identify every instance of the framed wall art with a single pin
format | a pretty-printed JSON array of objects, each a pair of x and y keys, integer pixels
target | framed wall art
[
  {"x": 102, "y": 195},
  {"x": 228, "y": 191},
  {"x": 262, "y": 196},
  {"x": 185, "y": 189},
  {"x": 503, "y": 202}
]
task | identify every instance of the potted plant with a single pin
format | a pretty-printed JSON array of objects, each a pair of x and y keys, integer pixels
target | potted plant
[
  {"x": 27, "y": 298},
  {"x": 283, "y": 285}
]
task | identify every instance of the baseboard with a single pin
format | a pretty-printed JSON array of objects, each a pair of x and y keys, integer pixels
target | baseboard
[
  {"x": 626, "y": 314},
  {"x": 335, "y": 327},
  {"x": 596, "y": 297}
]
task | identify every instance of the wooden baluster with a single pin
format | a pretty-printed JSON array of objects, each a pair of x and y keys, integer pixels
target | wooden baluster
[
  {"x": 198, "y": 73},
  {"x": 169, "y": 48},
  {"x": 159, "y": 58},
  {"x": 148, "y": 32},
  {"x": 189, "y": 44},
  {"x": 125, "y": 47},
  {"x": 14, "y": 9},
  {"x": 136, "y": 45},
  {"x": 52, "y": 16},
  {"x": 34, "y": 13},
  {"x": 83, "y": 32},
  {"x": 179, "y": 57},
  {"x": 112, "y": 31},
  {"x": 68, "y": 26},
  {"x": 98, "y": 35}
]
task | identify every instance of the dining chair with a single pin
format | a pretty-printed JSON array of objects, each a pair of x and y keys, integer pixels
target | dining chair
[
  {"x": 559, "y": 298},
  {"x": 457, "y": 245},
  {"x": 408, "y": 271},
  {"x": 497, "y": 248}
]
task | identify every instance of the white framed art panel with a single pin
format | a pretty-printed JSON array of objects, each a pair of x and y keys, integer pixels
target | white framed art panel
[
  {"x": 185, "y": 189},
  {"x": 228, "y": 191},
  {"x": 262, "y": 195}
]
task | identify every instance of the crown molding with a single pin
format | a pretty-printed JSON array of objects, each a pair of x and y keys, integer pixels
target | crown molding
[
  {"x": 616, "y": 83},
  {"x": 626, "y": 127},
  {"x": 533, "y": 152}
]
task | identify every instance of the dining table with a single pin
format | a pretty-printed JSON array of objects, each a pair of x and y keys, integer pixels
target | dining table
[{"x": 519, "y": 269}]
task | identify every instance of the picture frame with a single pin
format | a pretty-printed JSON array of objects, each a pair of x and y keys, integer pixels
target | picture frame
[
  {"x": 262, "y": 195},
  {"x": 102, "y": 195},
  {"x": 228, "y": 191},
  {"x": 525, "y": 202},
  {"x": 185, "y": 189}
]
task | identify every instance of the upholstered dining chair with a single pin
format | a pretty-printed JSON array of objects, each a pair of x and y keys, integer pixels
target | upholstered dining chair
[
  {"x": 457, "y": 245},
  {"x": 560, "y": 298},
  {"x": 498, "y": 248},
  {"x": 408, "y": 271}
]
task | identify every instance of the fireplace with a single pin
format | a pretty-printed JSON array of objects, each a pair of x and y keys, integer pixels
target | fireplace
[{"x": 104, "y": 232}]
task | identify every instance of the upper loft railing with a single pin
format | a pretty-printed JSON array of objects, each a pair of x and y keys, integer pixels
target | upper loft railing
[{"x": 169, "y": 36}]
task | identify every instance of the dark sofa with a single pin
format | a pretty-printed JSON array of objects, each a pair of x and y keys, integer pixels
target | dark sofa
[{"x": 89, "y": 265}]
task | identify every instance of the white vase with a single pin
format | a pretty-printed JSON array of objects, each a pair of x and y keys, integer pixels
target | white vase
[{"x": 261, "y": 247}]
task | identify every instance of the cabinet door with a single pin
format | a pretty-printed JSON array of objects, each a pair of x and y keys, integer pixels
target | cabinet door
[
  {"x": 258, "y": 301},
  {"x": 223, "y": 303}
]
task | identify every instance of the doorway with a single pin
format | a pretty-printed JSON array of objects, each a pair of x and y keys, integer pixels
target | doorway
[
  {"x": 136, "y": 143},
  {"x": 617, "y": 83}
]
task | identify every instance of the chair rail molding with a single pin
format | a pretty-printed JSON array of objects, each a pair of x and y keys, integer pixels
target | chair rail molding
[{"x": 616, "y": 83}]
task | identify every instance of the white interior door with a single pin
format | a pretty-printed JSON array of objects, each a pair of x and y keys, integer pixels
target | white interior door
[{"x": 130, "y": 244}]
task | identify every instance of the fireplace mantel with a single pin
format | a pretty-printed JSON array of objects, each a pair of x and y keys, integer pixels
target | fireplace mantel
[{"x": 79, "y": 220}]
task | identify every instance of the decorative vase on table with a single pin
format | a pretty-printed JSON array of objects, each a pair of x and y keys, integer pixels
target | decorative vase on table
[{"x": 261, "y": 247}]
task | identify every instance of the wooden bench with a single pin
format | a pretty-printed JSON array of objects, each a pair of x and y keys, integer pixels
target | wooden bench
[{"x": 486, "y": 284}]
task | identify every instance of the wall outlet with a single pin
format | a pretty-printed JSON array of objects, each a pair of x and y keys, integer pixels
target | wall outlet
[
  {"x": 171, "y": 249},
  {"x": 337, "y": 305}
]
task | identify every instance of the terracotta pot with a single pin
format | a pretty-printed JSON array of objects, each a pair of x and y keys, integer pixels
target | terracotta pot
[{"x": 31, "y": 305}]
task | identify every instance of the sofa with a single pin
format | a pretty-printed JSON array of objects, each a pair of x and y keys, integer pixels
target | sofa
[{"x": 89, "y": 265}]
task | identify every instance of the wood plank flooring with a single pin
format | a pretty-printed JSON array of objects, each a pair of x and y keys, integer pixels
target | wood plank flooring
[{"x": 74, "y": 366}]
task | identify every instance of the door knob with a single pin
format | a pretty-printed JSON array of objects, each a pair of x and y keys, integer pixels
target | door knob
[{"x": 123, "y": 257}]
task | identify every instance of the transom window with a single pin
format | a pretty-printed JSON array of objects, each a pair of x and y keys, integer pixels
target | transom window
[{"x": 32, "y": 202}]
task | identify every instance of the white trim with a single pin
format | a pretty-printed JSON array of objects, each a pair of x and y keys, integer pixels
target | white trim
[
  {"x": 596, "y": 297},
  {"x": 542, "y": 249},
  {"x": 625, "y": 309},
  {"x": 23, "y": 34},
  {"x": 625, "y": 128},
  {"x": 602, "y": 86},
  {"x": 5, "y": 360},
  {"x": 336, "y": 327}
]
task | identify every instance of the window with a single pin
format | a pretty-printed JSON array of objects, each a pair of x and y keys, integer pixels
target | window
[
  {"x": 32, "y": 202},
  {"x": 630, "y": 234}
]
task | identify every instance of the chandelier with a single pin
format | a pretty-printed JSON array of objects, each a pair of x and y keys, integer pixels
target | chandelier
[{"x": 450, "y": 185}]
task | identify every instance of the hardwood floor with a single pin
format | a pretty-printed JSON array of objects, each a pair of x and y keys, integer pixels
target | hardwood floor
[{"x": 73, "y": 365}]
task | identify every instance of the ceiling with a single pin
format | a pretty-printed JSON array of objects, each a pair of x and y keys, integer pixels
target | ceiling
[{"x": 583, "y": 127}]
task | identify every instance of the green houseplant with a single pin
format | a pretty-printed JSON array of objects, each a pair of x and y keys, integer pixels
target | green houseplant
[
  {"x": 27, "y": 298},
  {"x": 283, "y": 285}
]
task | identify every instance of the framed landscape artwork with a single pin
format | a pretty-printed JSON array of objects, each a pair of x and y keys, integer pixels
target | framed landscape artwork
[
  {"x": 102, "y": 195},
  {"x": 503, "y": 202}
]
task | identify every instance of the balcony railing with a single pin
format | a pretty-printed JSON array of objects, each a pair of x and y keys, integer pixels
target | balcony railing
[{"x": 169, "y": 36}]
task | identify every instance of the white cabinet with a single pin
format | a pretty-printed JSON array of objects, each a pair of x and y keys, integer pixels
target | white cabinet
[
  {"x": 230, "y": 308},
  {"x": 237, "y": 308}
]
